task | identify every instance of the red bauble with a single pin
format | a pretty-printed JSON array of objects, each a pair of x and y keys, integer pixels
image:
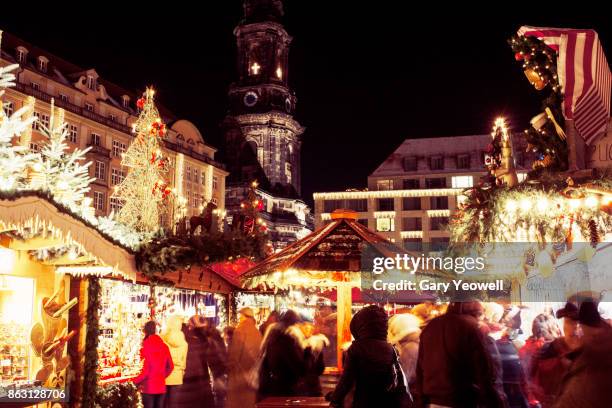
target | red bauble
[
  {"x": 140, "y": 103},
  {"x": 518, "y": 56}
]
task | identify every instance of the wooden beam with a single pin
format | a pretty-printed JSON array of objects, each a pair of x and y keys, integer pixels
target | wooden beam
[{"x": 344, "y": 305}]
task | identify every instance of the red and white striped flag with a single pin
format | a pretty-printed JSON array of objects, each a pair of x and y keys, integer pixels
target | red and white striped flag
[{"x": 584, "y": 76}]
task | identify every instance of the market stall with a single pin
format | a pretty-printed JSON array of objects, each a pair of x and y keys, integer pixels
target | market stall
[{"x": 331, "y": 258}]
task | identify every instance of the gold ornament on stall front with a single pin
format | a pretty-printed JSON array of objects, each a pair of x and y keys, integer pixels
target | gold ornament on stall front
[
  {"x": 535, "y": 79},
  {"x": 506, "y": 172}
]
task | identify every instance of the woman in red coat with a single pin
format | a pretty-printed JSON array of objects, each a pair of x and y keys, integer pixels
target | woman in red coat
[{"x": 157, "y": 366}]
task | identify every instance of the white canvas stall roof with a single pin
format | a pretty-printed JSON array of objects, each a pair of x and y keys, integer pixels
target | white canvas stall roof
[{"x": 26, "y": 210}]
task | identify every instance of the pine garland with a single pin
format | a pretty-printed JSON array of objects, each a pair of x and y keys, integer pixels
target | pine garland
[{"x": 90, "y": 380}]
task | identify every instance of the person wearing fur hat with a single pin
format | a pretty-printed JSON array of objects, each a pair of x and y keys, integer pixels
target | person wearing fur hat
[
  {"x": 283, "y": 364},
  {"x": 404, "y": 332},
  {"x": 243, "y": 355},
  {"x": 588, "y": 381},
  {"x": 175, "y": 340}
]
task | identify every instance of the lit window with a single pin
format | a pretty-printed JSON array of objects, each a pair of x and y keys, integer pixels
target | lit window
[
  {"x": 99, "y": 200},
  {"x": 9, "y": 108},
  {"x": 462, "y": 181},
  {"x": 215, "y": 185},
  {"x": 73, "y": 133},
  {"x": 385, "y": 224},
  {"x": 100, "y": 171},
  {"x": 521, "y": 177},
  {"x": 384, "y": 185},
  {"x": 255, "y": 67},
  {"x": 118, "y": 148}
]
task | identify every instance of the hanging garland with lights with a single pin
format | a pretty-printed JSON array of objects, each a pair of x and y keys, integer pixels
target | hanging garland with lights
[{"x": 545, "y": 136}]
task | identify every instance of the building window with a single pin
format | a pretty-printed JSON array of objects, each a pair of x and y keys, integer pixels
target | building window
[
  {"x": 21, "y": 55},
  {"x": 41, "y": 122},
  {"x": 64, "y": 98},
  {"x": 73, "y": 133},
  {"x": 118, "y": 148},
  {"x": 42, "y": 64},
  {"x": 360, "y": 205},
  {"x": 462, "y": 181},
  {"x": 436, "y": 163},
  {"x": 438, "y": 203},
  {"x": 34, "y": 147},
  {"x": 411, "y": 224},
  {"x": 99, "y": 200},
  {"x": 203, "y": 178},
  {"x": 438, "y": 223},
  {"x": 384, "y": 185},
  {"x": 331, "y": 205},
  {"x": 35, "y": 86},
  {"x": 188, "y": 173},
  {"x": 91, "y": 82},
  {"x": 288, "y": 172},
  {"x": 385, "y": 204},
  {"x": 96, "y": 140},
  {"x": 385, "y": 224},
  {"x": 100, "y": 171},
  {"x": 413, "y": 244},
  {"x": 125, "y": 101},
  {"x": 9, "y": 108},
  {"x": 116, "y": 204},
  {"x": 117, "y": 176},
  {"x": 411, "y": 203},
  {"x": 463, "y": 161},
  {"x": 89, "y": 107},
  {"x": 411, "y": 184},
  {"x": 112, "y": 117},
  {"x": 215, "y": 183},
  {"x": 438, "y": 182},
  {"x": 410, "y": 163}
]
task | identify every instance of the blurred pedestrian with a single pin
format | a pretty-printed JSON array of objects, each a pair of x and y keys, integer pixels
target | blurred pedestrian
[
  {"x": 243, "y": 357},
  {"x": 174, "y": 338},
  {"x": 454, "y": 368},
  {"x": 544, "y": 329},
  {"x": 588, "y": 381},
  {"x": 404, "y": 332}
]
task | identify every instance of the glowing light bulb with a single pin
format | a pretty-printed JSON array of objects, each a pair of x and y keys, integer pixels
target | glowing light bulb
[
  {"x": 591, "y": 202},
  {"x": 574, "y": 203},
  {"x": 542, "y": 204},
  {"x": 525, "y": 204},
  {"x": 511, "y": 206}
]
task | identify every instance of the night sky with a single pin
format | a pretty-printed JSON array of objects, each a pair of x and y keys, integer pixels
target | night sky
[{"x": 367, "y": 74}]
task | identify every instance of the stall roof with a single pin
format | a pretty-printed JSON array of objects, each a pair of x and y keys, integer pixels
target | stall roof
[{"x": 29, "y": 221}]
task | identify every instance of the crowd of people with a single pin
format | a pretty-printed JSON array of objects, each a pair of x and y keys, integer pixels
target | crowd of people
[{"x": 469, "y": 356}]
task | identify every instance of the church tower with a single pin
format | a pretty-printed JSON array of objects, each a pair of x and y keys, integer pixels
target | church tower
[{"x": 261, "y": 135}]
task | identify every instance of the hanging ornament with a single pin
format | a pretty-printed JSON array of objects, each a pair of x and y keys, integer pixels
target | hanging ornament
[
  {"x": 519, "y": 56},
  {"x": 140, "y": 103},
  {"x": 535, "y": 79}
]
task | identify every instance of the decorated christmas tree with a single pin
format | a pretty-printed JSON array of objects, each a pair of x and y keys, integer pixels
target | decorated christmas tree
[
  {"x": 143, "y": 191},
  {"x": 60, "y": 171},
  {"x": 14, "y": 159}
]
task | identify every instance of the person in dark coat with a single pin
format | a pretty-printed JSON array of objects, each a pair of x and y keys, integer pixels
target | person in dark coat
[
  {"x": 157, "y": 366},
  {"x": 513, "y": 375},
  {"x": 283, "y": 364},
  {"x": 454, "y": 368},
  {"x": 588, "y": 381},
  {"x": 204, "y": 357},
  {"x": 368, "y": 365}
]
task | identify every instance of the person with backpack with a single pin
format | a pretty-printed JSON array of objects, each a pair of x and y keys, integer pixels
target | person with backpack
[{"x": 371, "y": 365}]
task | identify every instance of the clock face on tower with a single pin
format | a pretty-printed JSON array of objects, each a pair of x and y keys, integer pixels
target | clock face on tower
[{"x": 250, "y": 99}]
